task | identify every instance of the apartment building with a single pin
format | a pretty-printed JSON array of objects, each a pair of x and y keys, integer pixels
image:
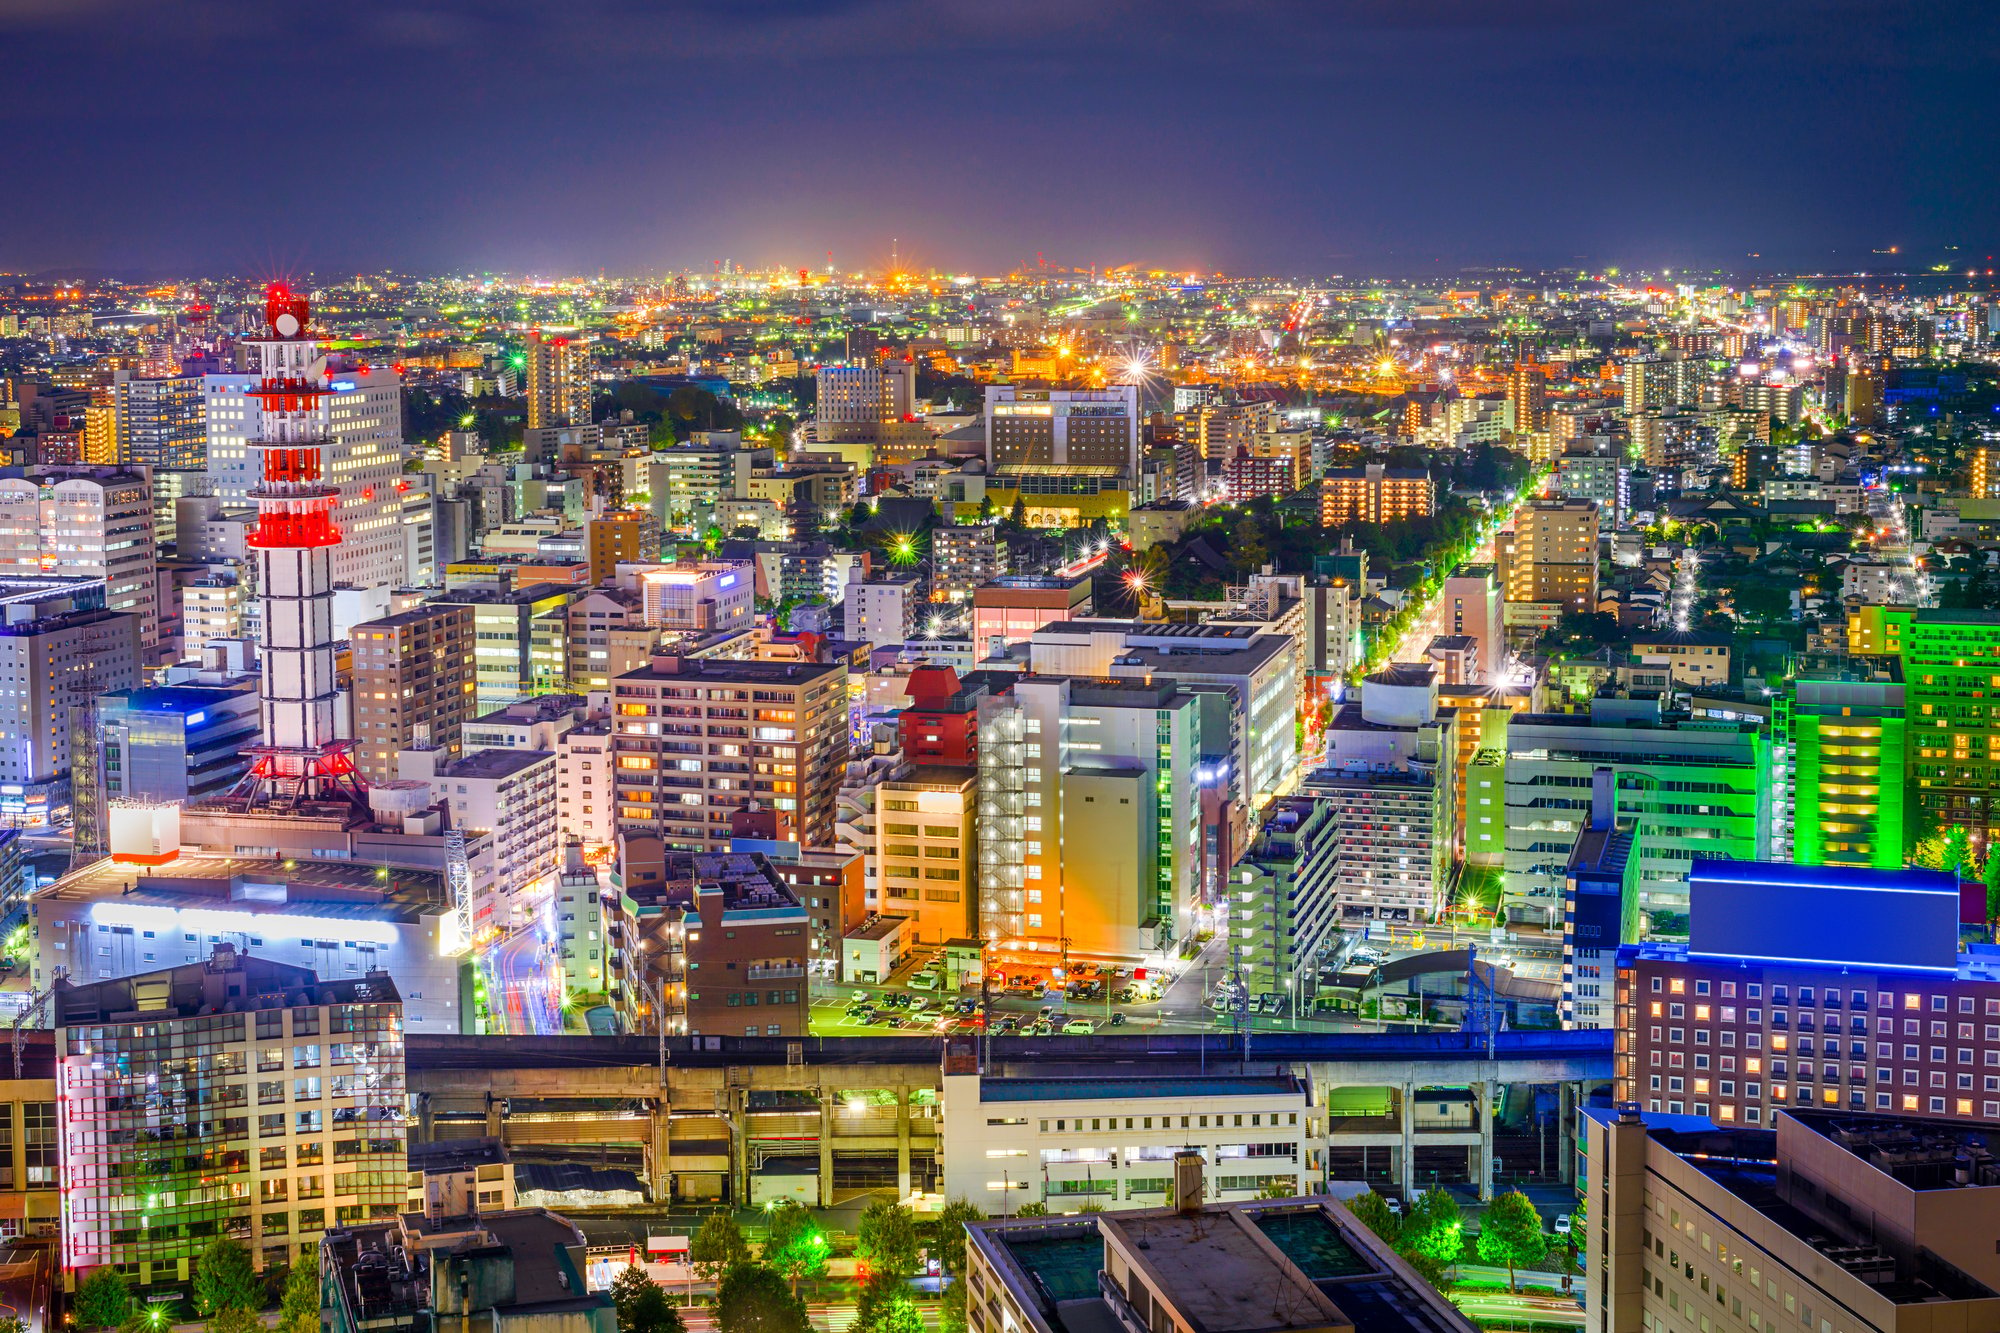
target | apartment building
[
  {"x": 585, "y": 805},
  {"x": 697, "y": 739},
  {"x": 511, "y": 795},
  {"x": 963, "y": 557},
  {"x": 925, "y": 852},
  {"x": 86, "y": 522},
  {"x": 1549, "y": 555},
  {"x": 1375, "y": 493},
  {"x": 414, "y": 681}
]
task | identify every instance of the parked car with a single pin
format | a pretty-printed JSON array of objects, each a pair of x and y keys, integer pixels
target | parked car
[
  {"x": 1562, "y": 1225},
  {"x": 1008, "y": 1026},
  {"x": 1118, "y": 1020},
  {"x": 1079, "y": 1027}
]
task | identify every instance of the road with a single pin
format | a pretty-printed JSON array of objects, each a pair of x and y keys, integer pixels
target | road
[{"x": 524, "y": 982}]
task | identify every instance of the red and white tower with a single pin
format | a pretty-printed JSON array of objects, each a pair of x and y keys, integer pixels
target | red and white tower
[{"x": 300, "y": 758}]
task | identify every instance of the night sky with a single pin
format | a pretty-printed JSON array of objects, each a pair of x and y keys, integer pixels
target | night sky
[{"x": 1259, "y": 136}]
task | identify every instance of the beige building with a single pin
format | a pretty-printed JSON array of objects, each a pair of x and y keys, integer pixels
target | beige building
[
  {"x": 1550, "y": 555},
  {"x": 1374, "y": 493},
  {"x": 1835, "y": 1224},
  {"x": 925, "y": 844},
  {"x": 413, "y": 682}
]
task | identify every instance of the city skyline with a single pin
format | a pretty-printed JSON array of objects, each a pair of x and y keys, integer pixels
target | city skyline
[{"x": 1272, "y": 138}]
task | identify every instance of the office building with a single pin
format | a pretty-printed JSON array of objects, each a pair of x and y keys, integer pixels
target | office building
[
  {"x": 854, "y": 402},
  {"x": 963, "y": 557},
  {"x": 1010, "y": 608},
  {"x": 697, "y": 739},
  {"x": 1090, "y": 820},
  {"x": 214, "y": 607},
  {"x": 1832, "y": 987},
  {"x": 1549, "y": 555},
  {"x": 354, "y": 413},
  {"x": 926, "y": 852},
  {"x": 1867, "y": 1224},
  {"x": 708, "y": 944},
  {"x": 558, "y": 381},
  {"x": 615, "y": 539},
  {"x": 171, "y": 744},
  {"x": 519, "y": 639},
  {"x": 1840, "y": 739},
  {"x": 59, "y": 648},
  {"x": 689, "y": 481},
  {"x": 694, "y": 597},
  {"x": 1949, "y": 660},
  {"x": 159, "y": 423},
  {"x": 1375, "y": 493},
  {"x": 161, "y": 1076},
  {"x": 1074, "y": 432},
  {"x": 1300, "y": 1265},
  {"x": 607, "y": 636},
  {"x": 414, "y": 684},
  {"x": 86, "y": 522},
  {"x": 1697, "y": 789}
]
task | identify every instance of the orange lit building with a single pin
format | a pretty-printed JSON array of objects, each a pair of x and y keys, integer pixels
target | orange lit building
[{"x": 1376, "y": 493}]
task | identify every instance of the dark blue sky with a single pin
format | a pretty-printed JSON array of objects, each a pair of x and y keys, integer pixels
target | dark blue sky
[{"x": 1296, "y": 136}]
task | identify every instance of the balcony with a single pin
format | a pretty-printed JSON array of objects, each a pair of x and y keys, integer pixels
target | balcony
[{"x": 780, "y": 973}]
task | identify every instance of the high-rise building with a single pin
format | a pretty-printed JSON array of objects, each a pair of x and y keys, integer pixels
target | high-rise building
[
  {"x": 607, "y": 637},
  {"x": 853, "y": 402},
  {"x": 1864, "y": 394},
  {"x": 925, "y": 853},
  {"x": 1089, "y": 815},
  {"x": 694, "y": 597},
  {"x": 614, "y": 539},
  {"x": 171, "y": 744},
  {"x": 1833, "y": 987},
  {"x": 558, "y": 381},
  {"x": 160, "y": 423},
  {"x": 520, "y": 644},
  {"x": 354, "y": 414},
  {"x": 511, "y": 795},
  {"x": 1470, "y": 603},
  {"x": 162, "y": 1076},
  {"x": 697, "y": 739},
  {"x": 1600, "y": 907},
  {"x": 414, "y": 683},
  {"x": 1840, "y": 740},
  {"x": 963, "y": 557},
  {"x": 1697, "y": 789},
  {"x": 1527, "y": 398},
  {"x": 1075, "y": 431},
  {"x": 1869, "y": 1224},
  {"x": 1550, "y": 554},
  {"x": 1375, "y": 493},
  {"x": 86, "y": 522},
  {"x": 881, "y": 610},
  {"x": 62, "y": 649},
  {"x": 1392, "y": 832}
]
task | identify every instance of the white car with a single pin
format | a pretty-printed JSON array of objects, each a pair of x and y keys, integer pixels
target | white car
[{"x": 1562, "y": 1225}]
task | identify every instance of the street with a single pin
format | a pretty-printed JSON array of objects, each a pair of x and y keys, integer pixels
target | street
[{"x": 524, "y": 981}]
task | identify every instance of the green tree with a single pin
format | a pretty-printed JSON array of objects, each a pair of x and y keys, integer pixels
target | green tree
[
  {"x": 12, "y": 1324},
  {"x": 1372, "y": 1211},
  {"x": 951, "y": 1310},
  {"x": 1510, "y": 1233},
  {"x": 1277, "y": 1189},
  {"x": 225, "y": 1278},
  {"x": 1035, "y": 1209},
  {"x": 1433, "y": 1228},
  {"x": 947, "y": 1234},
  {"x": 642, "y": 1306},
  {"x": 102, "y": 1300},
  {"x": 985, "y": 509},
  {"x": 298, "y": 1308},
  {"x": 1248, "y": 549},
  {"x": 718, "y": 1246},
  {"x": 796, "y": 1244},
  {"x": 887, "y": 1238},
  {"x": 753, "y": 1298},
  {"x": 1017, "y": 518},
  {"x": 235, "y": 1319},
  {"x": 1992, "y": 883},
  {"x": 885, "y": 1306}
]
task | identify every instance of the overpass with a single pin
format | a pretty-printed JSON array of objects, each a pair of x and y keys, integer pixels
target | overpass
[{"x": 719, "y": 1108}]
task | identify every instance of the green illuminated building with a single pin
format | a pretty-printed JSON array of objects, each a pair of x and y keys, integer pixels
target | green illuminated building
[{"x": 1841, "y": 749}]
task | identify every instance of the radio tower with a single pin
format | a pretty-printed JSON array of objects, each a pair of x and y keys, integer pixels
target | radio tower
[{"x": 299, "y": 758}]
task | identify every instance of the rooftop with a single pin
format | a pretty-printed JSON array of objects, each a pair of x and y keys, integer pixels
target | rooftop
[
  {"x": 227, "y": 982},
  {"x": 1171, "y": 1085},
  {"x": 492, "y": 764},
  {"x": 346, "y": 890}
]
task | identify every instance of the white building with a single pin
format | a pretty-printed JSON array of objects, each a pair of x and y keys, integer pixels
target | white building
[
  {"x": 881, "y": 610},
  {"x": 363, "y": 419},
  {"x": 58, "y": 648},
  {"x": 86, "y": 522},
  {"x": 1111, "y": 1140},
  {"x": 693, "y": 596},
  {"x": 580, "y": 923},
  {"x": 510, "y": 794},
  {"x": 584, "y": 812}
]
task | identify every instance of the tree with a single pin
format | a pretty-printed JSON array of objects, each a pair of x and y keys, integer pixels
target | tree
[
  {"x": 1510, "y": 1233},
  {"x": 225, "y": 1278},
  {"x": 1371, "y": 1210},
  {"x": 642, "y": 1306},
  {"x": 947, "y": 1238},
  {"x": 1277, "y": 1189},
  {"x": 298, "y": 1308},
  {"x": 1433, "y": 1228},
  {"x": 102, "y": 1300},
  {"x": 753, "y": 1298},
  {"x": 795, "y": 1246},
  {"x": 12, "y": 1324},
  {"x": 235, "y": 1319},
  {"x": 1992, "y": 883},
  {"x": 1249, "y": 552},
  {"x": 887, "y": 1239},
  {"x": 1017, "y": 518},
  {"x": 1036, "y": 1209},
  {"x": 717, "y": 1246},
  {"x": 885, "y": 1306},
  {"x": 985, "y": 509}
]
